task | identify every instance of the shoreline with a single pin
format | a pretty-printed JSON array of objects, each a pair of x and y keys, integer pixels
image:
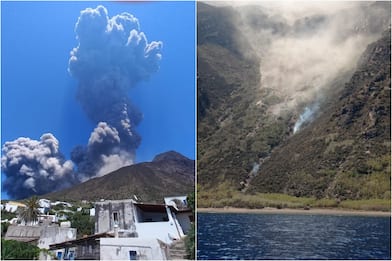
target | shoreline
[{"x": 312, "y": 211}]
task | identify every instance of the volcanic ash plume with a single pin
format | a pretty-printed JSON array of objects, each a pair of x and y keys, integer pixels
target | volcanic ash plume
[
  {"x": 35, "y": 167},
  {"x": 113, "y": 55}
]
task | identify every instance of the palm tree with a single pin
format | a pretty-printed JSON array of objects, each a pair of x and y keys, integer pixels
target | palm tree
[{"x": 29, "y": 214}]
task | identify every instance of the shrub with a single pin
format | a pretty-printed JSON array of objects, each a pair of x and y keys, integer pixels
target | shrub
[
  {"x": 4, "y": 228},
  {"x": 190, "y": 243},
  {"x": 11, "y": 249},
  {"x": 83, "y": 223},
  {"x": 7, "y": 215}
]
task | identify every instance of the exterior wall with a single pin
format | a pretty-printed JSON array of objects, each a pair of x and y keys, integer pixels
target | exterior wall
[
  {"x": 53, "y": 235},
  {"x": 61, "y": 254},
  {"x": 102, "y": 219},
  {"x": 88, "y": 250},
  {"x": 119, "y": 249},
  {"x": 13, "y": 206},
  {"x": 44, "y": 203},
  {"x": 104, "y": 215},
  {"x": 10, "y": 208},
  {"x": 164, "y": 231},
  {"x": 47, "y": 219},
  {"x": 69, "y": 205},
  {"x": 183, "y": 219},
  {"x": 132, "y": 219}
]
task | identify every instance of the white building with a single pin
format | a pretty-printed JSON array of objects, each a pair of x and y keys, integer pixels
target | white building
[
  {"x": 44, "y": 203},
  {"x": 42, "y": 236},
  {"x": 12, "y": 206},
  {"x": 135, "y": 249},
  {"x": 125, "y": 229},
  {"x": 92, "y": 212},
  {"x": 65, "y": 204}
]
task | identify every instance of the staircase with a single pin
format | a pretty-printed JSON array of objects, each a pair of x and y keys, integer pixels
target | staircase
[{"x": 177, "y": 250}]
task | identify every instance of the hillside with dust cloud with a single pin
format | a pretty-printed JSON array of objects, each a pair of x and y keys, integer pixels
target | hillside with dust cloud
[{"x": 270, "y": 73}]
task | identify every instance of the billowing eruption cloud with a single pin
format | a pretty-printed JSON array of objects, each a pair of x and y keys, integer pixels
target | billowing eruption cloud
[
  {"x": 113, "y": 55},
  {"x": 35, "y": 166},
  {"x": 305, "y": 48}
]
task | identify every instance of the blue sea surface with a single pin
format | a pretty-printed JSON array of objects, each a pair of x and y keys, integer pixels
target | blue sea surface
[{"x": 284, "y": 236}]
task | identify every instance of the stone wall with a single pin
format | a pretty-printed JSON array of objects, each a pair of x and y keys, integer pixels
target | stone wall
[{"x": 104, "y": 218}]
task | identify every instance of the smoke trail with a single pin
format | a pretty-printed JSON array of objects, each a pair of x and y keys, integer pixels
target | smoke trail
[
  {"x": 113, "y": 55},
  {"x": 306, "y": 117},
  {"x": 35, "y": 167},
  {"x": 254, "y": 170}
]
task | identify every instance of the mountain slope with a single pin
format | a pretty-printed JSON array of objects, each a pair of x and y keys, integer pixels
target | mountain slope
[
  {"x": 228, "y": 112},
  {"x": 168, "y": 174},
  {"x": 345, "y": 153},
  {"x": 245, "y": 145}
]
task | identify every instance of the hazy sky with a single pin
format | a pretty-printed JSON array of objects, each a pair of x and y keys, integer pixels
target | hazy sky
[{"x": 38, "y": 93}]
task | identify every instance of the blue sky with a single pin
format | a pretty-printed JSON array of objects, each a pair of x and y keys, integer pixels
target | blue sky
[{"x": 38, "y": 94}]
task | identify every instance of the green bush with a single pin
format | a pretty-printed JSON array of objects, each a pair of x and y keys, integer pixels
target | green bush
[
  {"x": 369, "y": 204},
  {"x": 83, "y": 223},
  {"x": 7, "y": 215},
  {"x": 11, "y": 249},
  {"x": 190, "y": 243},
  {"x": 4, "y": 228},
  {"x": 277, "y": 200},
  {"x": 190, "y": 239}
]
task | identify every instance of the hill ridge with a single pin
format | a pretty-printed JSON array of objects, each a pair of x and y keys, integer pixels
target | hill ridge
[{"x": 149, "y": 181}]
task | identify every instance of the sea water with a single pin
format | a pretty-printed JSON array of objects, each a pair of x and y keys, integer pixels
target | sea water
[{"x": 287, "y": 236}]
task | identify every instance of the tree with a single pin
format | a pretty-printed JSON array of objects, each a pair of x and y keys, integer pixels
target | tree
[
  {"x": 190, "y": 243},
  {"x": 11, "y": 249},
  {"x": 29, "y": 214},
  {"x": 83, "y": 223},
  {"x": 190, "y": 239},
  {"x": 7, "y": 215},
  {"x": 191, "y": 201},
  {"x": 4, "y": 228}
]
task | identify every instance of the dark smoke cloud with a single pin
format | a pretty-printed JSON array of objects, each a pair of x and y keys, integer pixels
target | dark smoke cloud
[
  {"x": 112, "y": 56},
  {"x": 103, "y": 147},
  {"x": 35, "y": 167}
]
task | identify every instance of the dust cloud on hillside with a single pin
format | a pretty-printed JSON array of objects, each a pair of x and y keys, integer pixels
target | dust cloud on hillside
[{"x": 303, "y": 47}]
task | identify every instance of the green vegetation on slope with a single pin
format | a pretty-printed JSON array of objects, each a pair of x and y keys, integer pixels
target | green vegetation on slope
[
  {"x": 11, "y": 249},
  {"x": 234, "y": 198},
  {"x": 190, "y": 239},
  {"x": 341, "y": 159},
  {"x": 83, "y": 222},
  {"x": 345, "y": 152}
]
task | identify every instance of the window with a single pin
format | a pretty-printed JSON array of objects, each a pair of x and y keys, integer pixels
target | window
[
  {"x": 59, "y": 255},
  {"x": 151, "y": 213},
  {"x": 115, "y": 218},
  {"x": 71, "y": 255},
  {"x": 132, "y": 255}
]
